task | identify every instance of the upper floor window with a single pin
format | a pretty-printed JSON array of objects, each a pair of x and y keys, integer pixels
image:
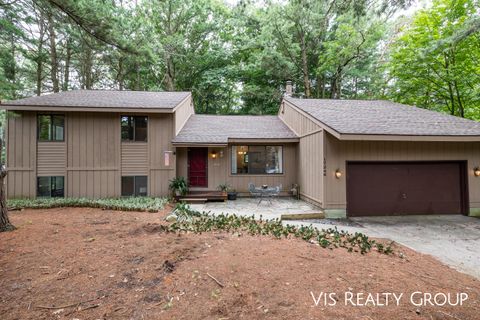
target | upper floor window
[
  {"x": 51, "y": 127},
  {"x": 134, "y": 128},
  {"x": 257, "y": 159}
]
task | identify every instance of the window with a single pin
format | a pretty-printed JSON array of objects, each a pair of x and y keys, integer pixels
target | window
[
  {"x": 134, "y": 128},
  {"x": 134, "y": 186},
  {"x": 50, "y": 187},
  {"x": 51, "y": 127},
  {"x": 257, "y": 159}
]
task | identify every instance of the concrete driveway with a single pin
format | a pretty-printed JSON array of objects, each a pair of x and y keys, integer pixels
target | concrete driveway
[{"x": 453, "y": 239}]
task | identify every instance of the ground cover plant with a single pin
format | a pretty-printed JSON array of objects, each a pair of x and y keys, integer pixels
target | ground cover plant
[
  {"x": 125, "y": 204},
  {"x": 189, "y": 220},
  {"x": 118, "y": 265}
]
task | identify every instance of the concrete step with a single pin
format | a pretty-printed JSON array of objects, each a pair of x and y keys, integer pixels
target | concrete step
[
  {"x": 303, "y": 216},
  {"x": 193, "y": 200}
]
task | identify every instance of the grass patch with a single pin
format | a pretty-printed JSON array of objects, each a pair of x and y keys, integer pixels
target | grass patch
[
  {"x": 189, "y": 220},
  {"x": 123, "y": 204}
]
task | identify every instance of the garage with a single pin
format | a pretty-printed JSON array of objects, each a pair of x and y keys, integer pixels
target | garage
[{"x": 406, "y": 188}]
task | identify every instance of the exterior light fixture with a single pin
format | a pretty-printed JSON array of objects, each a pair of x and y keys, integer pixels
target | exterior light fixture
[
  {"x": 167, "y": 157},
  {"x": 214, "y": 154},
  {"x": 476, "y": 172},
  {"x": 338, "y": 174},
  {"x": 221, "y": 154}
]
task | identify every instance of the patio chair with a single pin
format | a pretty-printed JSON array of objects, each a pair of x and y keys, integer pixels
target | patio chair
[{"x": 254, "y": 191}]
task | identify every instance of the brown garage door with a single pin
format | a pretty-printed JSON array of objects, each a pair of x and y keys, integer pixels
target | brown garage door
[{"x": 403, "y": 188}]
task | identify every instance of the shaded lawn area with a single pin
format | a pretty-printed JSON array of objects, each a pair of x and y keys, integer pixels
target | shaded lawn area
[{"x": 92, "y": 264}]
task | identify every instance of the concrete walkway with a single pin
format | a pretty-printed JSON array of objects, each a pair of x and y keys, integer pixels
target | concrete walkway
[
  {"x": 249, "y": 206},
  {"x": 452, "y": 239}
]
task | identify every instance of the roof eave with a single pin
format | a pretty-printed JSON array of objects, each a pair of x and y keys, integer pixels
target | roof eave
[
  {"x": 83, "y": 109},
  {"x": 419, "y": 138},
  {"x": 199, "y": 144},
  {"x": 263, "y": 140}
]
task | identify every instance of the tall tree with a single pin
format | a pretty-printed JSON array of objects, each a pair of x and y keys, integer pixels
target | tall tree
[
  {"x": 431, "y": 70},
  {"x": 53, "y": 52}
]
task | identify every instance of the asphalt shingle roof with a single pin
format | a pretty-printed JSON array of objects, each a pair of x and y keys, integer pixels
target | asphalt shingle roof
[
  {"x": 217, "y": 129},
  {"x": 380, "y": 117},
  {"x": 104, "y": 99}
]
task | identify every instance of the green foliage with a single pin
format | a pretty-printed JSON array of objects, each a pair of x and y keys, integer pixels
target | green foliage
[
  {"x": 122, "y": 204},
  {"x": 224, "y": 187},
  {"x": 178, "y": 184},
  {"x": 184, "y": 212},
  {"x": 196, "y": 222},
  {"x": 434, "y": 69},
  {"x": 236, "y": 58}
]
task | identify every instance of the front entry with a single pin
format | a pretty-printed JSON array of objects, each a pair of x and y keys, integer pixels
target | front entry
[{"x": 197, "y": 167}]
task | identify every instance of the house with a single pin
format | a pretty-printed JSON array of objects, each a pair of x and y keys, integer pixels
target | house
[{"x": 350, "y": 157}]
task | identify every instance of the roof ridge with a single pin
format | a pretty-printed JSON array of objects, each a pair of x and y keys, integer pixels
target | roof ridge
[{"x": 333, "y": 99}]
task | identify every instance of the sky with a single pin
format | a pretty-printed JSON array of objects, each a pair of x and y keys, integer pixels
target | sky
[{"x": 417, "y": 4}]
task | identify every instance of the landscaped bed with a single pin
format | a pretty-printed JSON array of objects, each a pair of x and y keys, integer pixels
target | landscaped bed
[
  {"x": 88, "y": 263},
  {"x": 126, "y": 204}
]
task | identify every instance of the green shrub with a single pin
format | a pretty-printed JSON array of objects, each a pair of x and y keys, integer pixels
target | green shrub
[
  {"x": 124, "y": 204},
  {"x": 178, "y": 184},
  {"x": 224, "y": 187},
  {"x": 194, "y": 221}
]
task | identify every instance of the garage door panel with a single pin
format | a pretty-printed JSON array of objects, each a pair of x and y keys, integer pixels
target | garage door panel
[{"x": 404, "y": 188}]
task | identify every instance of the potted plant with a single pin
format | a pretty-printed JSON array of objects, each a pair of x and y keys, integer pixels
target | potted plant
[
  {"x": 232, "y": 194},
  {"x": 224, "y": 188},
  {"x": 178, "y": 186}
]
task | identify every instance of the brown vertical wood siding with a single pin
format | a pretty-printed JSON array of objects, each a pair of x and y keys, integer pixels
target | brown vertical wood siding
[
  {"x": 310, "y": 153},
  {"x": 21, "y": 139},
  {"x": 219, "y": 170},
  {"x": 339, "y": 152},
  {"x": 296, "y": 121},
  {"x": 160, "y": 134},
  {"x": 182, "y": 113},
  {"x": 92, "y": 158},
  {"x": 93, "y": 162}
]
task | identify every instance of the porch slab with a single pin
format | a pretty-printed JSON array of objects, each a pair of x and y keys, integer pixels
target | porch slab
[{"x": 251, "y": 206}]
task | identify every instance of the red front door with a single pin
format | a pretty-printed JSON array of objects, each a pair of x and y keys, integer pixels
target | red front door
[{"x": 197, "y": 167}]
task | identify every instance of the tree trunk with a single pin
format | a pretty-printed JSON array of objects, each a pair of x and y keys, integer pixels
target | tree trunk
[
  {"x": 336, "y": 84},
  {"x": 449, "y": 84},
  {"x": 68, "y": 58},
  {"x": 306, "y": 79},
  {"x": 137, "y": 80},
  {"x": 87, "y": 67},
  {"x": 5, "y": 224},
  {"x": 461, "y": 108},
  {"x": 170, "y": 74},
  {"x": 38, "y": 91},
  {"x": 53, "y": 54},
  {"x": 13, "y": 73},
  {"x": 120, "y": 75}
]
